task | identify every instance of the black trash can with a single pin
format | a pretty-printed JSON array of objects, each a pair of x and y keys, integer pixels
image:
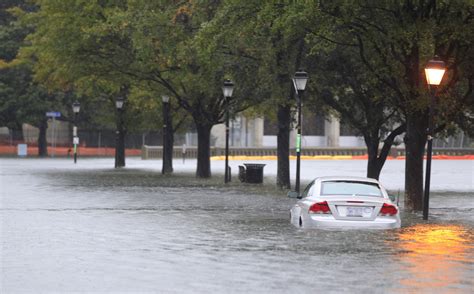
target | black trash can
[
  {"x": 254, "y": 173},
  {"x": 242, "y": 176}
]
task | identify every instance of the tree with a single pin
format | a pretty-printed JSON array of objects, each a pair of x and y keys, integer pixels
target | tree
[
  {"x": 83, "y": 45},
  {"x": 14, "y": 81},
  {"x": 23, "y": 100},
  {"x": 393, "y": 41},
  {"x": 145, "y": 104},
  {"x": 268, "y": 37},
  {"x": 180, "y": 61},
  {"x": 359, "y": 99}
]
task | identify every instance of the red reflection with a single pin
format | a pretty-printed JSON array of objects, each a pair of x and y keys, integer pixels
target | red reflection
[{"x": 436, "y": 257}]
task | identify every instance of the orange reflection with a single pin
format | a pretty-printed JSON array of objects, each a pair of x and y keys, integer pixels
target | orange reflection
[{"x": 436, "y": 256}]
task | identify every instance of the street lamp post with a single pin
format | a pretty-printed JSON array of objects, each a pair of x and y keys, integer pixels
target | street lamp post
[
  {"x": 167, "y": 165},
  {"x": 434, "y": 72},
  {"x": 76, "y": 107},
  {"x": 119, "y": 146},
  {"x": 299, "y": 81},
  {"x": 227, "y": 89}
]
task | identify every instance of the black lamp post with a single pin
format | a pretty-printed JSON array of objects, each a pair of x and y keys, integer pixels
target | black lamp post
[
  {"x": 434, "y": 72},
  {"x": 299, "y": 81},
  {"x": 167, "y": 165},
  {"x": 120, "y": 139},
  {"x": 76, "y": 107},
  {"x": 227, "y": 89}
]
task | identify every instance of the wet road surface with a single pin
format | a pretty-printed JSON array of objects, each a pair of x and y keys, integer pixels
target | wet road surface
[{"x": 95, "y": 229}]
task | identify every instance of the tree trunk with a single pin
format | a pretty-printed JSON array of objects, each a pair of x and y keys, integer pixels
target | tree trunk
[
  {"x": 415, "y": 140},
  {"x": 283, "y": 149},
  {"x": 377, "y": 159},
  {"x": 42, "y": 142},
  {"x": 374, "y": 166},
  {"x": 16, "y": 133},
  {"x": 204, "y": 153},
  {"x": 168, "y": 139},
  {"x": 284, "y": 121},
  {"x": 120, "y": 143}
]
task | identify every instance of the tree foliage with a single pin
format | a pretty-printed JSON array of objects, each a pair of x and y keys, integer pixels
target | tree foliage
[
  {"x": 23, "y": 100},
  {"x": 393, "y": 41}
]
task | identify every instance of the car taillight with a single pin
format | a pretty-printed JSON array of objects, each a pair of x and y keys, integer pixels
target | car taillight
[
  {"x": 388, "y": 209},
  {"x": 320, "y": 207}
]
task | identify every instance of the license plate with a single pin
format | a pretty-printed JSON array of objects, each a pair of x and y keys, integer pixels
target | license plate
[{"x": 358, "y": 211}]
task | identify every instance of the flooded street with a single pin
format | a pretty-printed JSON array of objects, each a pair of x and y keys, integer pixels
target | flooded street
[{"x": 91, "y": 228}]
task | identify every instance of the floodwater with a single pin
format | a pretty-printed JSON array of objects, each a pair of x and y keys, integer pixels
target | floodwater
[{"x": 91, "y": 228}]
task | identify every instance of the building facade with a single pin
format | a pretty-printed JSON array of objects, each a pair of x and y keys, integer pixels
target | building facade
[{"x": 260, "y": 132}]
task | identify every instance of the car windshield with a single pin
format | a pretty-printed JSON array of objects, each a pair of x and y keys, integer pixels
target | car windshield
[{"x": 350, "y": 188}]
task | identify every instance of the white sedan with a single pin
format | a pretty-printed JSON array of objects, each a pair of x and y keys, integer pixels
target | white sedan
[{"x": 329, "y": 202}]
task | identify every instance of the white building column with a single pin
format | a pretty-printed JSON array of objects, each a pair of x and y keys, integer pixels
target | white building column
[
  {"x": 218, "y": 132},
  {"x": 332, "y": 131},
  {"x": 256, "y": 129}
]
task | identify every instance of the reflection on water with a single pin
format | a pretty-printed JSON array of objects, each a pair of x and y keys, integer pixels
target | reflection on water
[{"x": 435, "y": 256}]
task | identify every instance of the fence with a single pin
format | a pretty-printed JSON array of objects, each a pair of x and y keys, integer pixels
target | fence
[
  {"x": 102, "y": 143},
  {"x": 61, "y": 134}
]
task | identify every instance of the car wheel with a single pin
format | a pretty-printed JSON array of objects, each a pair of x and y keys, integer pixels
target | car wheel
[{"x": 301, "y": 222}]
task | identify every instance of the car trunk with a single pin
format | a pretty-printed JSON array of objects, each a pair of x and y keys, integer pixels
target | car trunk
[{"x": 347, "y": 208}]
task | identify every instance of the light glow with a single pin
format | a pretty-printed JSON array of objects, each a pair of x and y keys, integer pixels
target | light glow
[
  {"x": 434, "y": 71},
  {"x": 228, "y": 88},
  {"x": 76, "y": 106},
  {"x": 119, "y": 103}
]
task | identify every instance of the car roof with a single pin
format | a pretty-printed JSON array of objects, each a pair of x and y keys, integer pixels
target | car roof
[{"x": 346, "y": 178}]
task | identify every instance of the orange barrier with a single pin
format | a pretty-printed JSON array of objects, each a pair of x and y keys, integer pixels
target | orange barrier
[
  {"x": 451, "y": 157},
  {"x": 66, "y": 151},
  {"x": 361, "y": 157}
]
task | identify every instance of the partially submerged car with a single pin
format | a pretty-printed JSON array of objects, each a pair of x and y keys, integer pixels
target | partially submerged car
[{"x": 329, "y": 202}]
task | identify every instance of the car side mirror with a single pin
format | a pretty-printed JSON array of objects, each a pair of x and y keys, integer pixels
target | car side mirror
[
  {"x": 392, "y": 197},
  {"x": 293, "y": 194}
]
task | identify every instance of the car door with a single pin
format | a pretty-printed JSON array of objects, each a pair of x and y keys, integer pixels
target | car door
[{"x": 299, "y": 207}]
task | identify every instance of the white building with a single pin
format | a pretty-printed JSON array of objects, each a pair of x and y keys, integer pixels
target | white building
[{"x": 258, "y": 132}]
